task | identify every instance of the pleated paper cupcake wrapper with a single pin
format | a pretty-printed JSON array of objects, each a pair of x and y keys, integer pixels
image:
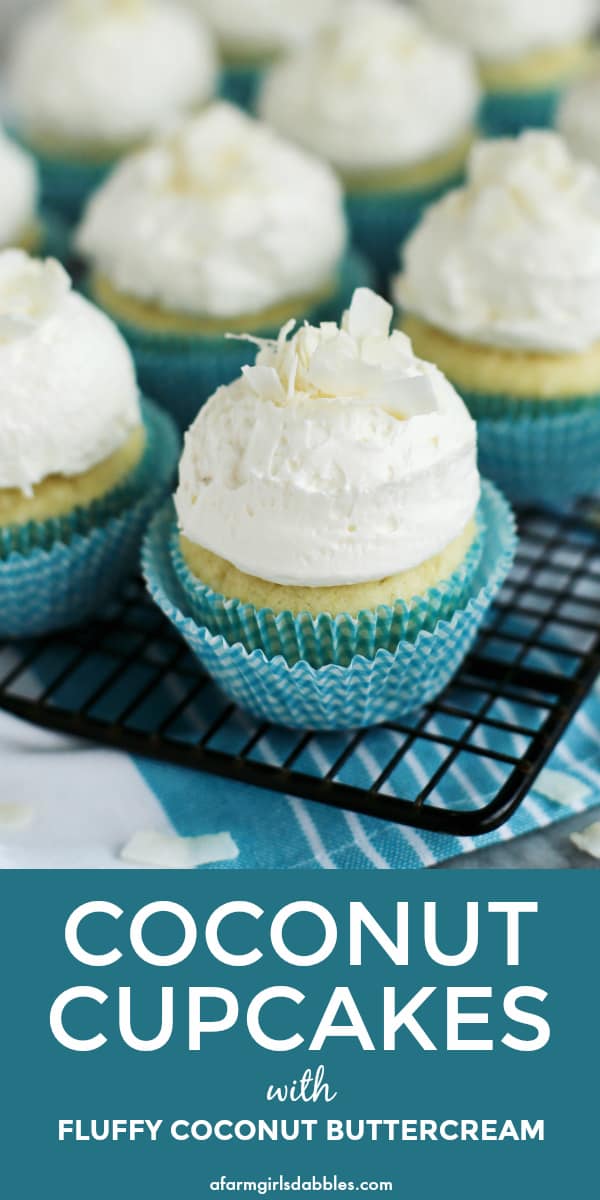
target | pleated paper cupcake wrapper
[
  {"x": 540, "y": 451},
  {"x": 182, "y": 372},
  {"x": 65, "y": 186},
  {"x": 55, "y": 239},
  {"x": 64, "y": 581},
  {"x": 506, "y": 114},
  {"x": 380, "y": 222},
  {"x": 241, "y": 85},
  {"x": 367, "y": 691},
  {"x": 325, "y": 639}
]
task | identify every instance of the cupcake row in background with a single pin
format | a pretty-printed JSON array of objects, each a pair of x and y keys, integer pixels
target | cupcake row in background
[
  {"x": 389, "y": 95},
  {"x": 334, "y": 551},
  {"x": 222, "y": 229}
]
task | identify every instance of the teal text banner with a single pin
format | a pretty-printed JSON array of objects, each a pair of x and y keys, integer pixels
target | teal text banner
[{"x": 175, "y": 1034}]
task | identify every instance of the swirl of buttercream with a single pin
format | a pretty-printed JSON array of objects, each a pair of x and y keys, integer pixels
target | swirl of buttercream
[
  {"x": 221, "y": 218},
  {"x": 513, "y": 258},
  {"x": 67, "y": 56},
  {"x": 375, "y": 90},
  {"x": 69, "y": 395},
  {"x": 265, "y": 27},
  {"x": 338, "y": 458},
  {"x": 504, "y": 30}
]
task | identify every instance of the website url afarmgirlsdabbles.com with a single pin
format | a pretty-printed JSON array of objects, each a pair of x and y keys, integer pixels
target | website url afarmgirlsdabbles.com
[{"x": 299, "y": 1183}]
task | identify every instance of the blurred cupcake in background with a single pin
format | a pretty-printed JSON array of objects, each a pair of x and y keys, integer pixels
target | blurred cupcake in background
[
  {"x": 23, "y": 223},
  {"x": 528, "y": 51},
  {"x": 501, "y": 288},
  {"x": 333, "y": 551},
  {"x": 253, "y": 34},
  {"x": 90, "y": 79},
  {"x": 20, "y": 223},
  {"x": 391, "y": 106},
  {"x": 83, "y": 461},
  {"x": 578, "y": 118},
  {"x": 221, "y": 227}
]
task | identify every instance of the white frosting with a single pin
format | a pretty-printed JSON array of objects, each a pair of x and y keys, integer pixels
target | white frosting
[
  {"x": 499, "y": 30},
  {"x": 338, "y": 458},
  {"x": 69, "y": 397},
  {"x": 265, "y": 26},
  {"x": 374, "y": 90},
  {"x": 110, "y": 71},
  {"x": 222, "y": 218},
  {"x": 19, "y": 191},
  {"x": 513, "y": 258},
  {"x": 578, "y": 119}
]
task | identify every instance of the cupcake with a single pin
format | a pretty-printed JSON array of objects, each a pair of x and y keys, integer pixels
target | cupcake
[
  {"x": 331, "y": 551},
  {"x": 91, "y": 79},
  {"x": 83, "y": 463},
  {"x": 253, "y": 34},
  {"x": 501, "y": 288},
  {"x": 221, "y": 227},
  {"x": 528, "y": 52},
  {"x": 389, "y": 105},
  {"x": 578, "y": 119}
]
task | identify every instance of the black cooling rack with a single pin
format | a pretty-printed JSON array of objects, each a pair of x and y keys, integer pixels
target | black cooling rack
[{"x": 461, "y": 766}]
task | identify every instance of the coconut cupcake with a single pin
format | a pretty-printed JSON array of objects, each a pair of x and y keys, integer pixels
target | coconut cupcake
[
  {"x": 83, "y": 462},
  {"x": 221, "y": 227},
  {"x": 501, "y": 288},
  {"x": 67, "y": 62},
  {"x": 253, "y": 34},
  {"x": 578, "y": 119},
  {"x": 332, "y": 551},
  {"x": 392, "y": 108},
  {"x": 528, "y": 51}
]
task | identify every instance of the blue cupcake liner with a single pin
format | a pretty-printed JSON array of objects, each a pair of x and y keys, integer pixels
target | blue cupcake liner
[
  {"x": 183, "y": 371},
  {"x": 380, "y": 222},
  {"x": 57, "y": 581},
  {"x": 506, "y": 114},
  {"x": 326, "y": 638},
  {"x": 538, "y": 450},
  {"x": 368, "y": 690},
  {"x": 55, "y": 239},
  {"x": 241, "y": 84},
  {"x": 65, "y": 185}
]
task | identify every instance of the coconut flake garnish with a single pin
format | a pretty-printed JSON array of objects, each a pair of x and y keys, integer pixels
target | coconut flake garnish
[
  {"x": 360, "y": 362},
  {"x": 588, "y": 840},
  {"x": 166, "y": 850},
  {"x": 30, "y": 292},
  {"x": 15, "y": 816},
  {"x": 561, "y": 788}
]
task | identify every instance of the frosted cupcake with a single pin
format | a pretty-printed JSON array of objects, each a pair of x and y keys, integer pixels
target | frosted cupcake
[
  {"x": 83, "y": 462},
  {"x": 578, "y": 119},
  {"x": 90, "y": 79},
  {"x": 389, "y": 105},
  {"x": 20, "y": 223},
  {"x": 253, "y": 34},
  {"x": 332, "y": 551},
  {"x": 501, "y": 288},
  {"x": 221, "y": 227},
  {"x": 528, "y": 51}
]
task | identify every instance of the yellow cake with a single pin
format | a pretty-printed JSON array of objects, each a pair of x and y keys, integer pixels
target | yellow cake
[
  {"x": 546, "y": 68},
  {"x": 227, "y": 581},
  {"x": 475, "y": 367},
  {"x": 153, "y": 319},
  {"x": 58, "y": 494}
]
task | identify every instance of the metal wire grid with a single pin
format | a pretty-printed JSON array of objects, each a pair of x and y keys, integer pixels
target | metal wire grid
[{"x": 461, "y": 766}]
